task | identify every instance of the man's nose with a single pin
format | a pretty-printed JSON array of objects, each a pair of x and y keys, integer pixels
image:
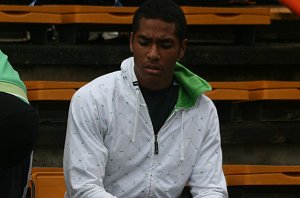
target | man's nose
[{"x": 153, "y": 52}]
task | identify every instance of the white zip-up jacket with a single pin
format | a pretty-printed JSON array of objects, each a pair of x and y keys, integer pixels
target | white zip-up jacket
[{"x": 110, "y": 142}]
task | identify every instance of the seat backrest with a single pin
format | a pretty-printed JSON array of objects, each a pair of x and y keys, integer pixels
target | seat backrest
[
  {"x": 261, "y": 175},
  {"x": 48, "y": 184}
]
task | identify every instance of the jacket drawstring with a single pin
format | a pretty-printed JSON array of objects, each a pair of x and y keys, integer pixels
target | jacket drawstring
[
  {"x": 136, "y": 117},
  {"x": 182, "y": 139}
]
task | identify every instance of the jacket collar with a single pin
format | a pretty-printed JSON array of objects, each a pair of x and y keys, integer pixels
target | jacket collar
[{"x": 191, "y": 85}]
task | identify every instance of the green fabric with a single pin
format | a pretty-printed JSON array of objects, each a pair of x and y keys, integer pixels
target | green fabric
[
  {"x": 191, "y": 86},
  {"x": 10, "y": 81}
]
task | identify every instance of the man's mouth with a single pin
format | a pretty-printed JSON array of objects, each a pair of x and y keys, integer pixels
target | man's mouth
[{"x": 152, "y": 69}]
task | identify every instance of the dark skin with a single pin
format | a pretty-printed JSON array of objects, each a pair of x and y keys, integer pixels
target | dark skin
[{"x": 156, "y": 48}]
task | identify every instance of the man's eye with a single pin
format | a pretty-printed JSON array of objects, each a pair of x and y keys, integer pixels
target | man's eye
[
  {"x": 144, "y": 42},
  {"x": 166, "y": 45}
]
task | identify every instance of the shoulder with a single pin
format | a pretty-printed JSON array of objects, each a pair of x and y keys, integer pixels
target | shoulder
[
  {"x": 206, "y": 109},
  {"x": 98, "y": 88},
  {"x": 205, "y": 102},
  {"x": 101, "y": 83}
]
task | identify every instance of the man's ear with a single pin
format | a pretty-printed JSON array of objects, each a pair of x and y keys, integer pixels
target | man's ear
[
  {"x": 182, "y": 49},
  {"x": 130, "y": 42}
]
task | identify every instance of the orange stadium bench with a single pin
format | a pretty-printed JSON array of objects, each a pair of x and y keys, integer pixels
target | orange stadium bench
[
  {"x": 51, "y": 90},
  {"x": 28, "y": 14},
  {"x": 49, "y": 182},
  {"x": 62, "y": 90},
  {"x": 194, "y": 15},
  {"x": 228, "y": 94},
  {"x": 66, "y": 14},
  {"x": 266, "y": 175},
  {"x": 235, "y": 91},
  {"x": 263, "y": 90},
  {"x": 274, "y": 90}
]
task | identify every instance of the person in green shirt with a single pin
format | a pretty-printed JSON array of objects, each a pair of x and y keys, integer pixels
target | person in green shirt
[{"x": 18, "y": 129}]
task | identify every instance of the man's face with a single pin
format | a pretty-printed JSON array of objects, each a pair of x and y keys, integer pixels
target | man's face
[{"x": 155, "y": 49}]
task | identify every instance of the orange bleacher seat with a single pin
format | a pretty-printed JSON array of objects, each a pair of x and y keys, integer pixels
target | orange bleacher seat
[
  {"x": 194, "y": 15},
  {"x": 64, "y": 14},
  {"x": 254, "y": 85},
  {"x": 62, "y": 90},
  {"x": 33, "y": 85},
  {"x": 228, "y": 94},
  {"x": 263, "y": 90},
  {"x": 47, "y": 183},
  {"x": 51, "y": 90},
  {"x": 225, "y": 16},
  {"x": 235, "y": 91},
  {"x": 275, "y": 94},
  {"x": 28, "y": 14},
  {"x": 264, "y": 175},
  {"x": 50, "y": 94}
]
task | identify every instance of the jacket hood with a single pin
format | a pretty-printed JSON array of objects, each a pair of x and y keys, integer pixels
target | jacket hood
[
  {"x": 191, "y": 85},
  {"x": 127, "y": 69}
]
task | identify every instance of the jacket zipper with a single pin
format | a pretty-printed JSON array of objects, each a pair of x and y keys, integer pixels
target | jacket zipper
[
  {"x": 156, "y": 150},
  {"x": 155, "y": 145}
]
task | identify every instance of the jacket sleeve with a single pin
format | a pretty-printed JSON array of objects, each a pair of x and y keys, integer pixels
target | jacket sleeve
[
  {"x": 10, "y": 81},
  {"x": 207, "y": 179},
  {"x": 85, "y": 155}
]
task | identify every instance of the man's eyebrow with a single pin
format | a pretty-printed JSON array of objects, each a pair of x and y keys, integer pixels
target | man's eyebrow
[
  {"x": 166, "y": 40},
  {"x": 143, "y": 37}
]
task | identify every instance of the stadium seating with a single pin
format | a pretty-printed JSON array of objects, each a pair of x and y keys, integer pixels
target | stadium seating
[
  {"x": 242, "y": 91},
  {"x": 49, "y": 182},
  {"x": 66, "y": 14}
]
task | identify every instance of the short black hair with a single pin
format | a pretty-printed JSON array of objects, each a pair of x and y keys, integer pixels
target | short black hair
[{"x": 165, "y": 10}]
